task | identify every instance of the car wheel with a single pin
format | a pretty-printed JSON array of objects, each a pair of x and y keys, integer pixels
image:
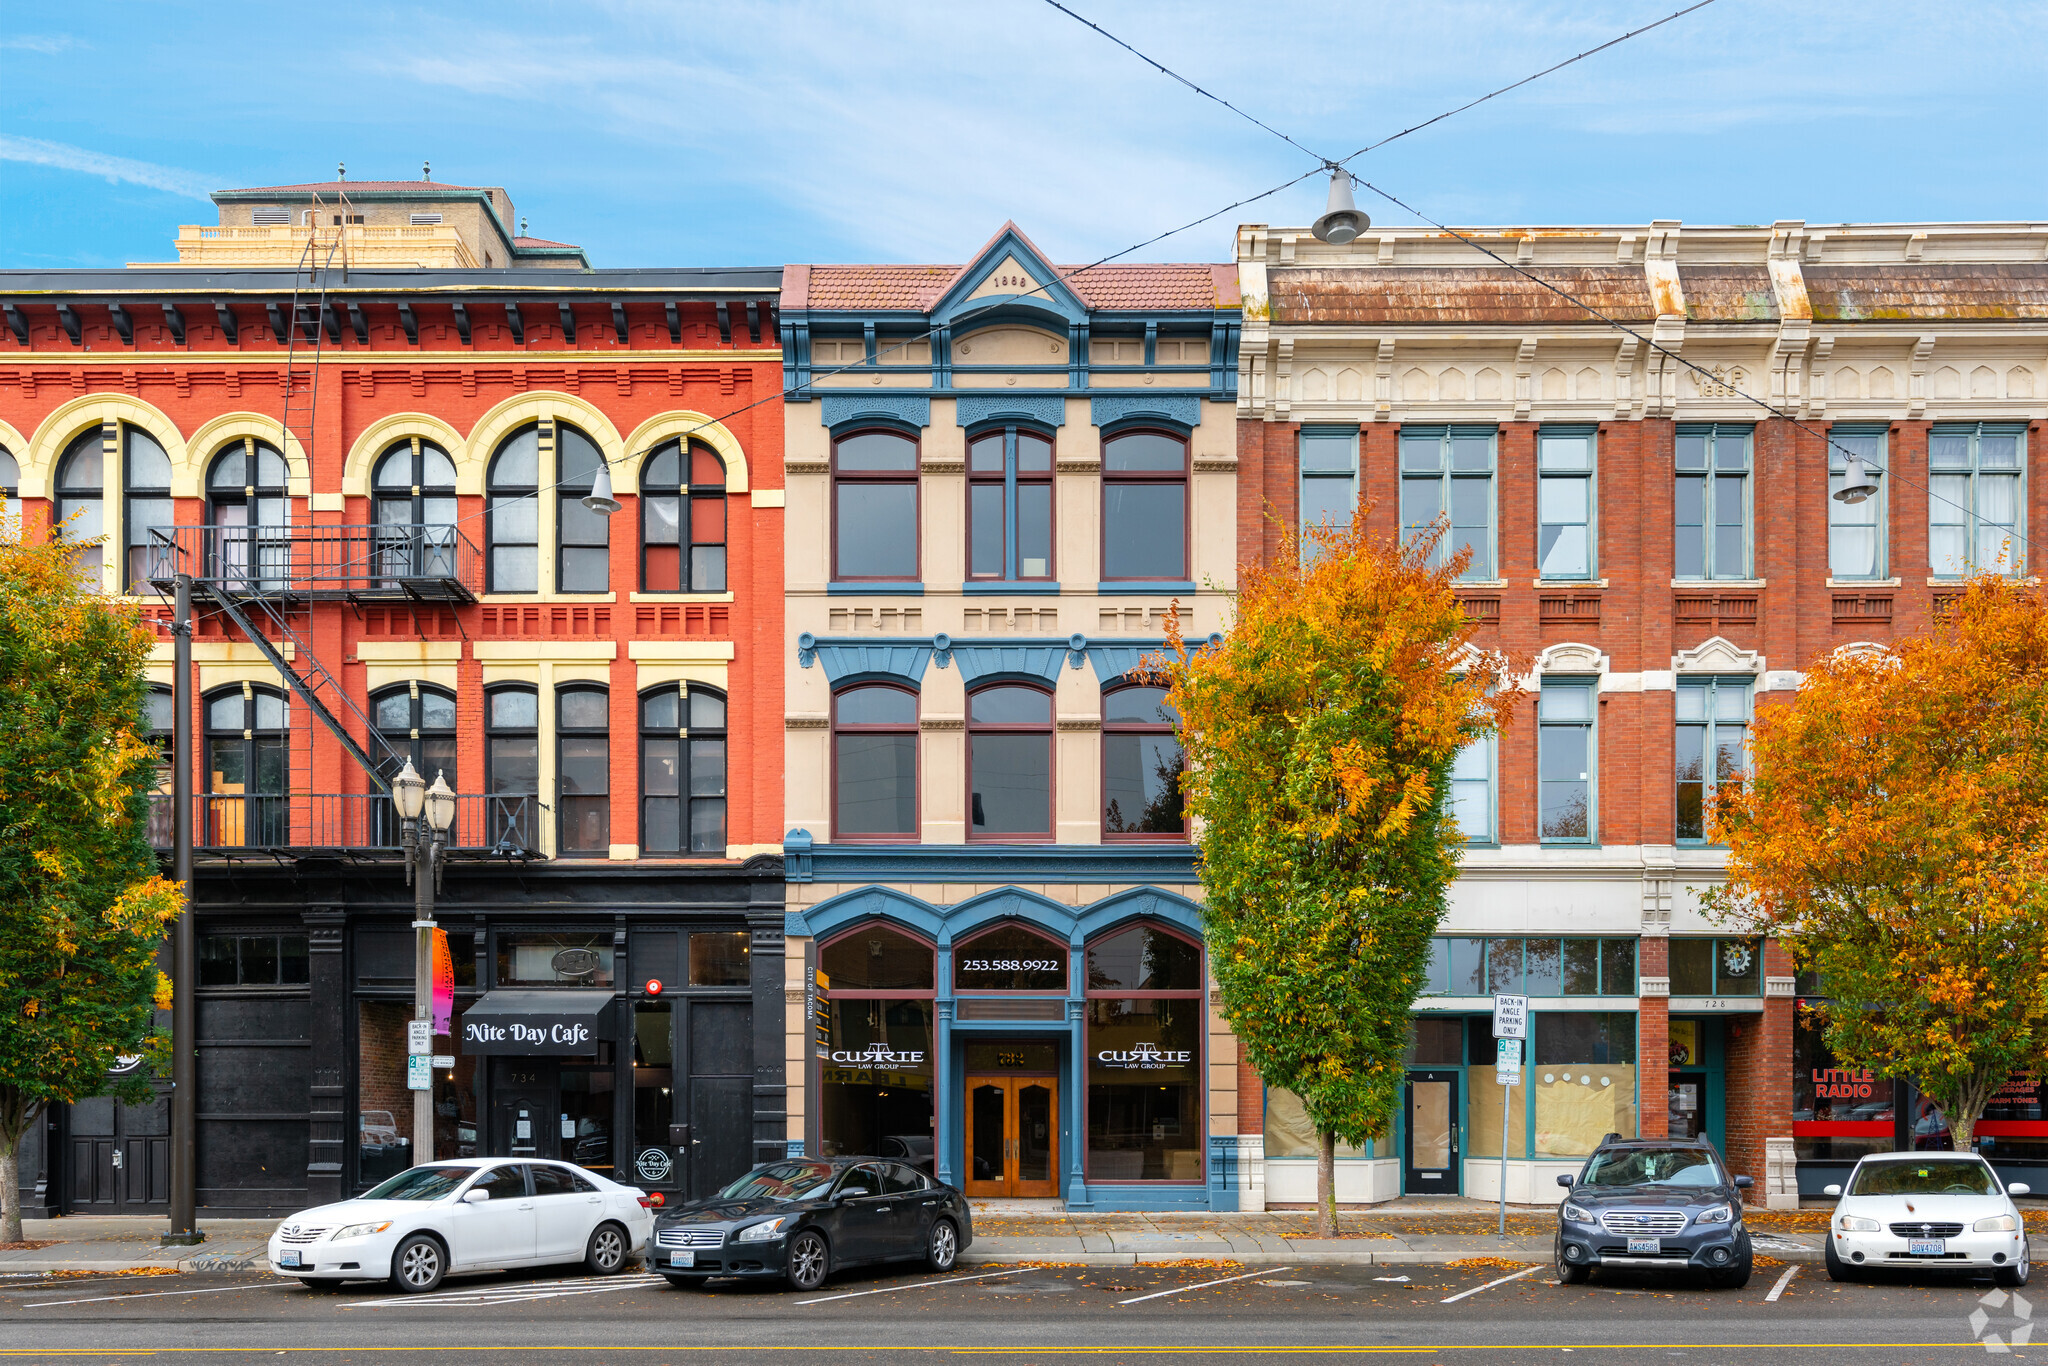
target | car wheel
[
  {"x": 942, "y": 1249},
  {"x": 606, "y": 1252},
  {"x": 418, "y": 1264},
  {"x": 1838, "y": 1270},
  {"x": 1732, "y": 1278},
  {"x": 809, "y": 1260},
  {"x": 2015, "y": 1275},
  {"x": 1569, "y": 1273}
]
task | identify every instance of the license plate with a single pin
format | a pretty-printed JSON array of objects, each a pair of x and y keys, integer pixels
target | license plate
[
  {"x": 1640, "y": 1246},
  {"x": 682, "y": 1259},
  {"x": 1926, "y": 1247},
  {"x": 289, "y": 1257}
]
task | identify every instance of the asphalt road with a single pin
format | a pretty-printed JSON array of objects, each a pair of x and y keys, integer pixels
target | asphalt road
[{"x": 1037, "y": 1315}]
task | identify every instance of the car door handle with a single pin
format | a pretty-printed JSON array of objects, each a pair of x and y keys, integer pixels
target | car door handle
[{"x": 527, "y": 1205}]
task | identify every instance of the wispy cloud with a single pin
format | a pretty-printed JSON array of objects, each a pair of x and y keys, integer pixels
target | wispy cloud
[
  {"x": 64, "y": 157},
  {"x": 46, "y": 43}
]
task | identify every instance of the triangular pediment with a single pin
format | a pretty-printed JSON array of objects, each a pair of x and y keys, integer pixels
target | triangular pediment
[{"x": 1009, "y": 274}]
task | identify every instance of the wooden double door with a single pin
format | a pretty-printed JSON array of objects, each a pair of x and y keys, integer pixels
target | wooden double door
[{"x": 1013, "y": 1131}]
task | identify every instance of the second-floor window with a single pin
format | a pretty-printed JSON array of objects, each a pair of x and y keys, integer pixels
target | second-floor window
[
  {"x": 1448, "y": 471},
  {"x": 1009, "y": 505},
  {"x": 248, "y": 768},
  {"x": 1471, "y": 791},
  {"x": 417, "y": 722},
  {"x": 10, "y": 490},
  {"x": 1145, "y": 507},
  {"x": 1974, "y": 475},
  {"x": 1564, "y": 504},
  {"x": 1856, "y": 530},
  {"x": 413, "y": 492},
  {"x": 1009, "y": 763},
  {"x": 583, "y": 553},
  {"x": 1713, "y": 725},
  {"x": 874, "y": 507},
  {"x": 1141, "y": 765},
  {"x": 512, "y": 514},
  {"x": 1565, "y": 759},
  {"x": 82, "y": 499},
  {"x": 512, "y": 765},
  {"x": 682, "y": 523},
  {"x": 248, "y": 502},
  {"x": 682, "y": 771},
  {"x": 874, "y": 763},
  {"x": 583, "y": 771},
  {"x": 1710, "y": 531},
  {"x": 1329, "y": 478}
]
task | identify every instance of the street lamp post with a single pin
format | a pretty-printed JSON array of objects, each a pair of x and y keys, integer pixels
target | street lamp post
[{"x": 423, "y": 848}]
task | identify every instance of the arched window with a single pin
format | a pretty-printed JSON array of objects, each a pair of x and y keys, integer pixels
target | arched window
[
  {"x": 583, "y": 771},
  {"x": 418, "y": 722},
  {"x": 81, "y": 500},
  {"x": 512, "y": 514},
  {"x": 247, "y": 502},
  {"x": 248, "y": 768},
  {"x": 682, "y": 771},
  {"x": 875, "y": 1080},
  {"x": 583, "y": 558},
  {"x": 1145, "y": 507},
  {"x": 511, "y": 766},
  {"x": 10, "y": 490},
  {"x": 413, "y": 491},
  {"x": 1010, "y": 957},
  {"x": 1144, "y": 1056},
  {"x": 146, "y": 503},
  {"x": 1009, "y": 505},
  {"x": 874, "y": 763},
  {"x": 157, "y": 720},
  {"x": 1009, "y": 763},
  {"x": 1141, "y": 765},
  {"x": 874, "y": 507},
  {"x": 667, "y": 545}
]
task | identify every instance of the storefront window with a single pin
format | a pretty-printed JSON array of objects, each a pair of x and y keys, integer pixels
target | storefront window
[
  {"x": 1144, "y": 1057},
  {"x": 874, "y": 993},
  {"x": 721, "y": 959},
  {"x": 1536, "y": 967},
  {"x": 1838, "y": 1113},
  {"x": 1290, "y": 1132},
  {"x": 383, "y": 1104},
  {"x": 555, "y": 960},
  {"x": 1716, "y": 967},
  {"x": 1483, "y": 1103},
  {"x": 1010, "y": 958},
  {"x": 2012, "y": 1127},
  {"x": 586, "y": 1117},
  {"x": 1584, "y": 1080}
]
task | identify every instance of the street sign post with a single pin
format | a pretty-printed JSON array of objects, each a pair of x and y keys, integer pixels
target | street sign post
[{"x": 1510, "y": 1027}]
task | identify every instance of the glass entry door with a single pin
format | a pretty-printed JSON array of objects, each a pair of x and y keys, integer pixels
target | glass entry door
[
  {"x": 1432, "y": 1150},
  {"x": 1012, "y": 1136},
  {"x": 1688, "y": 1110}
]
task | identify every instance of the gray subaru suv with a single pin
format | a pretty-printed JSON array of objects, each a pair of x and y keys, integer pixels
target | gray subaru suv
[{"x": 1654, "y": 1203}]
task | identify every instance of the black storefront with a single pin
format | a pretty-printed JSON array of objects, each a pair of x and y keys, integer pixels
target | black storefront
[{"x": 627, "y": 1018}]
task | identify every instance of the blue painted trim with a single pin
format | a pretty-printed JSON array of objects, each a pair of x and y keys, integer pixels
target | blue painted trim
[
  {"x": 839, "y": 410},
  {"x": 978, "y": 662},
  {"x": 971, "y": 410},
  {"x": 1031, "y": 587},
  {"x": 1139, "y": 1199},
  {"x": 946, "y": 925},
  {"x": 1050, "y": 297},
  {"x": 847, "y": 663},
  {"x": 1114, "y": 662},
  {"x": 1133, "y": 862},
  {"x": 1139, "y": 588},
  {"x": 881, "y": 589},
  {"x": 1179, "y": 409}
]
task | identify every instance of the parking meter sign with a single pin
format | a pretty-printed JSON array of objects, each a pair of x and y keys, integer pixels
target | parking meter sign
[
  {"x": 1507, "y": 1062},
  {"x": 1510, "y": 1017}
]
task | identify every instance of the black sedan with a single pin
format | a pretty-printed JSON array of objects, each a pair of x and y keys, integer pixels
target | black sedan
[{"x": 806, "y": 1218}]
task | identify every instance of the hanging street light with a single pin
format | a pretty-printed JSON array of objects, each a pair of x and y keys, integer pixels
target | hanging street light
[
  {"x": 600, "y": 499},
  {"x": 1341, "y": 221},
  {"x": 1858, "y": 483}
]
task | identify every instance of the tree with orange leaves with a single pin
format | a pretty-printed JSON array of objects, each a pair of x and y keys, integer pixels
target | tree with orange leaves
[
  {"x": 1320, "y": 735},
  {"x": 1894, "y": 832}
]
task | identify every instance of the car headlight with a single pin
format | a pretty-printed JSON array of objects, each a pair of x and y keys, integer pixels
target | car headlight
[
  {"x": 360, "y": 1230},
  {"x": 1716, "y": 1214},
  {"x": 1850, "y": 1223},
  {"x": 762, "y": 1232},
  {"x": 1997, "y": 1223},
  {"x": 1574, "y": 1215}
]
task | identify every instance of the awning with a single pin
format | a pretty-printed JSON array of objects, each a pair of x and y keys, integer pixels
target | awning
[{"x": 536, "y": 1023}]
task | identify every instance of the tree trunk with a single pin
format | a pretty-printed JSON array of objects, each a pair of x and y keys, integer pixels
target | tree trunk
[
  {"x": 1962, "y": 1126},
  {"x": 1326, "y": 1185},
  {"x": 15, "y": 1120}
]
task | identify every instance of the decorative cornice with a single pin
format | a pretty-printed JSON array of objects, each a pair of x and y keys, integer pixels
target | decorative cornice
[
  {"x": 941, "y": 723},
  {"x": 942, "y": 466},
  {"x": 1571, "y": 657},
  {"x": 1180, "y": 409},
  {"x": 1215, "y": 464},
  {"x": 1079, "y": 723},
  {"x": 807, "y": 722},
  {"x": 1718, "y": 655},
  {"x": 1032, "y": 661},
  {"x": 906, "y": 662},
  {"x": 1079, "y": 466},
  {"x": 988, "y": 863},
  {"x": 912, "y": 410},
  {"x": 807, "y": 467},
  {"x": 972, "y": 410}
]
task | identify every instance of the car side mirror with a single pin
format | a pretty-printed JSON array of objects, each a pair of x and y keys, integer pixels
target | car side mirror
[
  {"x": 1565, "y": 1181},
  {"x": 475, "y": 1197},
  {"x": 1830, "y": 1190},
  {"x": 2019, "y": 1188},
  {"x": 1743, "y": 1183}
]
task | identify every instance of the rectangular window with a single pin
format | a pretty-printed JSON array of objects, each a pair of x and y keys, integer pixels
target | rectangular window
[
  {"x": 1329, "y": 478},
  {"x": 1856, "y": 548},
  {"x": 583, "y": 771},
  {"x": 1716, "y": 967},
  {"x": 1538, "y": 967},
  {"x": 874, "y": 506},
  {"x": 1584, "y": 1080},
  {"x": 1144, "y": 1089},
  {"x": 1009, "y": 505},
  {"x": 258, "y": 960},
  {"x": 534, "y": 959},
  {"x": 1471, "y": 791},
  {"x": 1974, "y": 486},
  {"x": 1565, "y": 503},
  {"x": 1449, "y": 471},
  {"x": 1713, "y": 729},
  {"x": 1565, "y": 759},
  {"x": 1710, "y": 532}
]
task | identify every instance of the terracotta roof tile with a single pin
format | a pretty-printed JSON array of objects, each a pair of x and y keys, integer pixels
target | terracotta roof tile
[
  {"x": 1728, "y": 294},
  {"x": 1923, "y": 290},
  {"x": 1430, "y": 294}
]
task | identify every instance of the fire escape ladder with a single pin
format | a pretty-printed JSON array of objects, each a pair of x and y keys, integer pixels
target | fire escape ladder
[{"x": 307, "y": 320}]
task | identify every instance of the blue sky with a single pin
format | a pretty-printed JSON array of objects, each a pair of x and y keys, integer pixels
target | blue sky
[{"x": 743, "y": 133}]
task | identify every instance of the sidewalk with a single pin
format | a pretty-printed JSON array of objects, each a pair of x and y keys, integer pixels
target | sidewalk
[{"x": 1403, "y": 1232}]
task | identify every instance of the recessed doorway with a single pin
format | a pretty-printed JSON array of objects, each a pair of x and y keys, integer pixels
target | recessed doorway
[{"x": 1012, "y": 1120}]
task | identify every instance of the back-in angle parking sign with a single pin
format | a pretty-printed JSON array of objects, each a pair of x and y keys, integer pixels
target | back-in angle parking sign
[{"x": 1510, "y": 1017}]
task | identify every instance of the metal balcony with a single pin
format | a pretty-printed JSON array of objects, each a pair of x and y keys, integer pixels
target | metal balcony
[
  {"x": 415, "y": 563},
  {"x": 297, "y": 824}
]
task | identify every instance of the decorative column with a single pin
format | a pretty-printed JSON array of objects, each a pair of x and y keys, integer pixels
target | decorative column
[{"x": 1077, "y": 1098}]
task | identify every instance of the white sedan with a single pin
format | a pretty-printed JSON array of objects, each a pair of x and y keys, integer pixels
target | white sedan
[
  {"x": 480, "y": 1215},
  {"x": 1947, "y": 1211}
]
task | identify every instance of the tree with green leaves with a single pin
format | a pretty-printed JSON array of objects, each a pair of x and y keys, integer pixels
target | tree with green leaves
[
  {"x": 82, "y": 908},
  {"x": 1893, "y": 832},
  {"x": 1320, "y": 735}
]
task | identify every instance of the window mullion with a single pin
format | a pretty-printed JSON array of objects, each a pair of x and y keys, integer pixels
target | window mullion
[{"x": 1009, "y": 503}]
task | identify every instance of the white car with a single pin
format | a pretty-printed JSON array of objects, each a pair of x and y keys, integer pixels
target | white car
[
  {"x": 478, "y": 1215},
  {"x": 1942, "y": 1210}
]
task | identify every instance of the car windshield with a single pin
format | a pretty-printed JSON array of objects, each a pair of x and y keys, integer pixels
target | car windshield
[
  {"x": 1927, "y": 1177},
  {"x": 781, "y": 1181},
  {"x": 1652, "y": 1167},
  {"x": 421, "y": 1183}
]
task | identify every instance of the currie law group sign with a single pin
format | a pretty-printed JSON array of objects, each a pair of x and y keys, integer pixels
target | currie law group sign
[{"x": 536, "y": 1023}]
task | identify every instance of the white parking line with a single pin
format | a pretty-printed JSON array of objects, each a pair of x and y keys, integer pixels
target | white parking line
[
  {"x": 1783, "y": 1281},
  {"x": 1203, "y": 1285},
  {"x": 921, "y": 1285},
  {"x": 1453, "y": 1299},
  {"x": 511, "y": 1292},
  {"x": 149, "y": 1295}
]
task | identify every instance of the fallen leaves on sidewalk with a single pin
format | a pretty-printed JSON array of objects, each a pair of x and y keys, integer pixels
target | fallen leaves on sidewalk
[
  {"x": 1034, "y": 1266},
  {"x": 81, "y": 1273},
  {"x": 1192, "y": 1263},
  {"x": 27, "y": 1246},
  {"x": 1488, "y": 1264}
]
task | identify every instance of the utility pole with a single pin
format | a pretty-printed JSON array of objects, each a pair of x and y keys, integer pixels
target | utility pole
[{"x": 184, "y": 1228}]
